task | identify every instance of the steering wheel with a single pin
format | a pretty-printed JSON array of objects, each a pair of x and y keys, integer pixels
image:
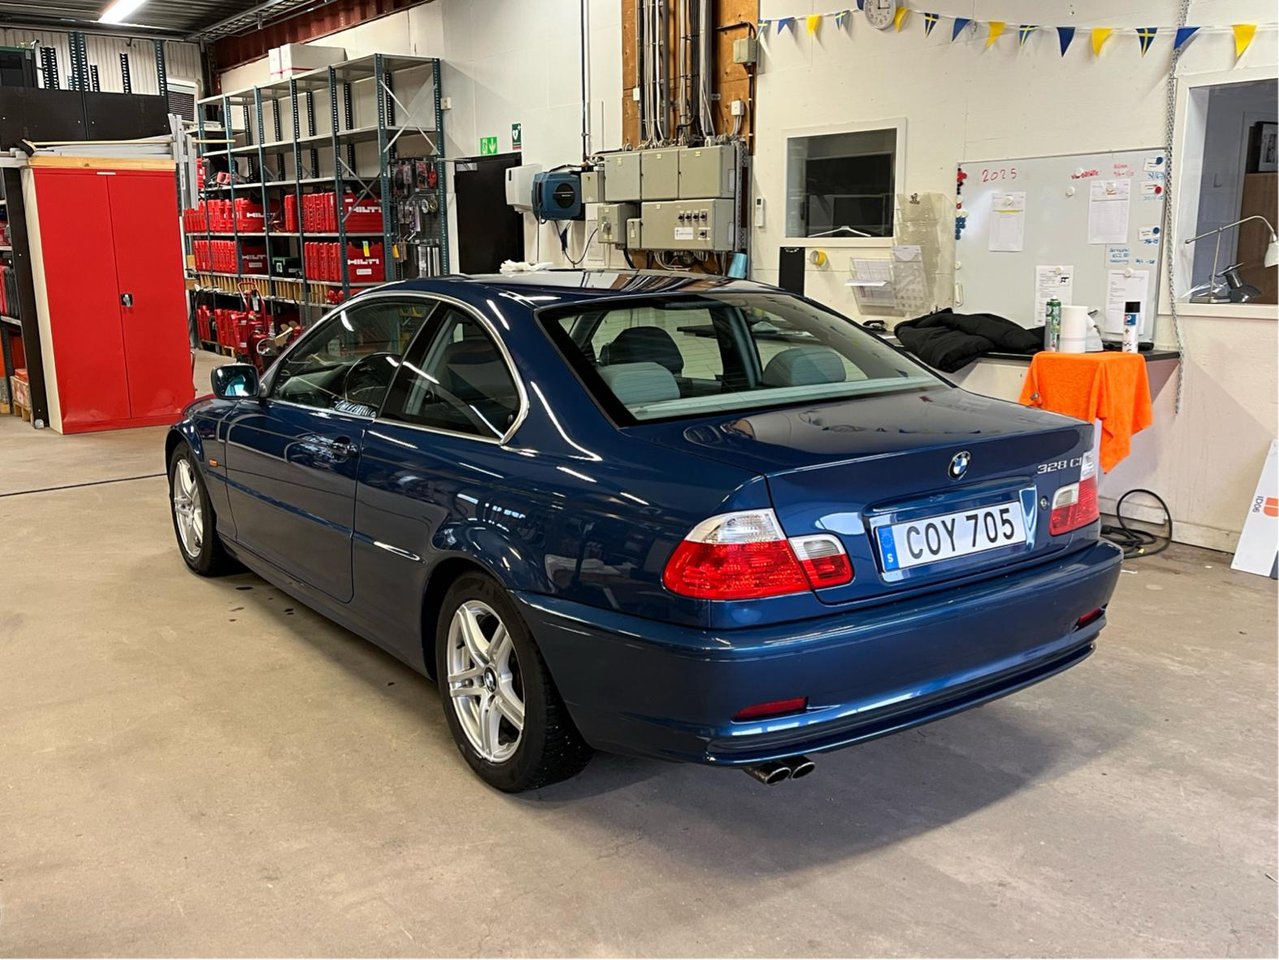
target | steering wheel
[{"x": 368, "y": 379}]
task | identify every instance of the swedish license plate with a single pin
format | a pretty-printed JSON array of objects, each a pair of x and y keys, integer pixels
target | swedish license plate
[{"x": 933, "y": 539}]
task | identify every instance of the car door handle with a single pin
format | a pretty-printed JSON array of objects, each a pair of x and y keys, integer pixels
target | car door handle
[
  {"x": 126, "y": 299},
  {"x": 342, "y": 448}
]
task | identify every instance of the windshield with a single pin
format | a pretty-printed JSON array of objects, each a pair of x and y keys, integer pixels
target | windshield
[{"x": 685, "y": 356}]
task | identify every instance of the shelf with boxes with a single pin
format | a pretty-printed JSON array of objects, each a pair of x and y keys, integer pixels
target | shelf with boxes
[{"x": 320, "y": 185}]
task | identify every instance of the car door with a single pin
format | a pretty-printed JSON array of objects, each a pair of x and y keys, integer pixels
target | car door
[
  {"x": 293, "y": 455},
  {"x": 435, "y": 473}
]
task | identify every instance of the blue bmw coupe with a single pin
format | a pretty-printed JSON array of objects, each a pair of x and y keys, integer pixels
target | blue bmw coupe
[{"x": 669, "y": 515}]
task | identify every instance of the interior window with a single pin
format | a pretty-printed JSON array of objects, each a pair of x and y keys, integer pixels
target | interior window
[
  {"x": 347, "y": 362},
  {"x": 841, "y": 184},
  {"x": 1234, "y": 178},
  {"x": 459, "y": 381}
]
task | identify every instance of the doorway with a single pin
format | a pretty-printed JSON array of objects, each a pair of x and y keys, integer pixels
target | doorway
[{"x": 488, "y": 229}]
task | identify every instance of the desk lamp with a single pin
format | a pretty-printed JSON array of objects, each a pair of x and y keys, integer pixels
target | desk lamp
[{"x": 1231, "y": 287}]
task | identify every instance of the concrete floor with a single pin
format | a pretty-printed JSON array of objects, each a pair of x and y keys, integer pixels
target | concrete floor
[{"x": 195, "y": 767}]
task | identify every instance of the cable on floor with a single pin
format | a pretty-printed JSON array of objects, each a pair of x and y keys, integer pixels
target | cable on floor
[
  {"x": 1138, "y": 543},
  {"x": 77, "y": 486}
]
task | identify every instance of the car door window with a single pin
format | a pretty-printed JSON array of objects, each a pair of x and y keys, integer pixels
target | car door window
[
  {"x": 347, "y": 363},
  {"x": 458, "y": 380}
]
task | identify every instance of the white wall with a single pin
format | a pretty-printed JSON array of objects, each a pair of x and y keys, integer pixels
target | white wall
[
  {"x": 963, "y": 102},
  {"x": 504, "y": 62}
]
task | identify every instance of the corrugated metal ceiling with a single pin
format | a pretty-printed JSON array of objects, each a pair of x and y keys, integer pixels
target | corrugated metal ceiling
[{"x": 177, "y": 18}]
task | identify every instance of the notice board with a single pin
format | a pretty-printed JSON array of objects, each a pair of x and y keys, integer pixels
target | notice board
[{"x": 1086, "y": 226}]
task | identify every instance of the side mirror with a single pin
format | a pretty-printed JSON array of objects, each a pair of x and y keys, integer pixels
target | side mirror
[{"x": 235, "y": 381}]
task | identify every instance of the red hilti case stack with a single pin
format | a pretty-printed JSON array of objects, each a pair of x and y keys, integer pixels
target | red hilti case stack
[{"x": 365, "y": 263}]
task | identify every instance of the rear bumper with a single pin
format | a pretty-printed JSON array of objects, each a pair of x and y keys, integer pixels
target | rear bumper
[{"x": 641, "y": 687}]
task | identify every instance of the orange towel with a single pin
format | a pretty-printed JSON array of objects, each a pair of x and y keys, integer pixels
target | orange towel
[{"x": 1111, "y": 387}]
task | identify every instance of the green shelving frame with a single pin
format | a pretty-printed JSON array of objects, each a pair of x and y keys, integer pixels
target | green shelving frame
[{"x": 290, "y": 162}]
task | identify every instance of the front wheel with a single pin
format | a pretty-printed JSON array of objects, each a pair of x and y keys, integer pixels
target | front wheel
[
  {"x": 193, "y": 519},
  {"x": 499, "y": 700}
]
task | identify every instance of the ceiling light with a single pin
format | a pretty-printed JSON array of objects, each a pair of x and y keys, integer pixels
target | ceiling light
[{"x": 117, "y": 11}]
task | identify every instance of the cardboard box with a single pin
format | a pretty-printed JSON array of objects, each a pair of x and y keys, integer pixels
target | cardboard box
[{"x": 293, "y": 58}]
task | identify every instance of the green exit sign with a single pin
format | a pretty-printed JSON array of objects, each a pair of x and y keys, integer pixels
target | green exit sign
[{"x": 488, "y": 146}]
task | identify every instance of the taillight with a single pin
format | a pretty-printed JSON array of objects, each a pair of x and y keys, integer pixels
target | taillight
[
  {"x": 823, "y": 560},
  {"x": 746, "y": 556},
  {"x": 1075, "y": 505}
]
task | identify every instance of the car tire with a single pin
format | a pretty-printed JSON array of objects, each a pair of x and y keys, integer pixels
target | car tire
[
  {"x": 483, "y": 645},
  {"x": 194, "y": 523}
]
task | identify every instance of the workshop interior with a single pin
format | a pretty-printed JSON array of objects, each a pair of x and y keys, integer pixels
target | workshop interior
[{"x": 442, "y": 440}]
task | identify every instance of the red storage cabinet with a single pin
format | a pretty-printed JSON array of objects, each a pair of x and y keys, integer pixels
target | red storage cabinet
[{"x": 107, "y": 258}]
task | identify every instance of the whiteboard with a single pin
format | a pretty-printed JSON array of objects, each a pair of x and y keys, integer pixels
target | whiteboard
[{"x": 1056, "y": 228}]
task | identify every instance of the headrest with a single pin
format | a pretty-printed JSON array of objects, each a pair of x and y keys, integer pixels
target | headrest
[
  {"x": 640, "y": 344},
  {"x": 801, "y": 366},
  {"x": 638, "y": 383}
]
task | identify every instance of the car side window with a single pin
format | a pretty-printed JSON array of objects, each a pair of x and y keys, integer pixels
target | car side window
[
  {"x": 457, "y": 381},
  {"x": 347, "y": 363}
]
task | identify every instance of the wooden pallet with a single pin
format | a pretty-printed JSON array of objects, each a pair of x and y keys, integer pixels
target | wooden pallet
[{"x": 211, "y": 347}]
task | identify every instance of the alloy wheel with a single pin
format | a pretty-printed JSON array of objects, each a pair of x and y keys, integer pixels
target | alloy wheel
[
  {"x": 187, "y": 509},
  {"x": 484, "y": 681}
]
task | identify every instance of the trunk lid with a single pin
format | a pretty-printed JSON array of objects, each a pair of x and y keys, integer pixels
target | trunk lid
[{"x": 861, "y": 468}]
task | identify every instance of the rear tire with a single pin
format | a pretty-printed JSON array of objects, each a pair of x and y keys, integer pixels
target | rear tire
[
  {"x": 499, "y": 700},
  {"x": 194, "y": 523}
]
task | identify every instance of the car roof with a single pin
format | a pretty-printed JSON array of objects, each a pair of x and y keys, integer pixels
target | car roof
[{"x": 544, "y": 287}]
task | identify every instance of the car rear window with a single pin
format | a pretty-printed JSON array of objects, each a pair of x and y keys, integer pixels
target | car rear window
[{"x": 660, "y": 358}]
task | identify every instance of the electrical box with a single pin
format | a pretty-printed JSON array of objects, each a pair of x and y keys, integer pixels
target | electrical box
[
  {"x": 635, "y": 234},
  {"x": 519, "y": 185},
  {"x": 593, "y": 186},
  {"x": 622, "y": 177},
  {"x": 659, "y": 174},
  {"x": 745, "y": 50},
  {"x": 689, "y": 225},
  {"x": 557, "y": 195},
  {"x": 612, "y": 219},
  {"x": 707, "y": 172}
]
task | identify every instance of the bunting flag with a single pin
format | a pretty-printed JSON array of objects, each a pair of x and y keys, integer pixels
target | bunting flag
[
  {"x": 1064, "y": 36},
  {"x": 1099, "y": 37},
  {"x": 1183, "y": 37},
  {"x": 1244, "y": 32}
]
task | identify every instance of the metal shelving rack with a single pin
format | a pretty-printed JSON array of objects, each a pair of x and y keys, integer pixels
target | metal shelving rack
[{"x": 293, "y": 164}]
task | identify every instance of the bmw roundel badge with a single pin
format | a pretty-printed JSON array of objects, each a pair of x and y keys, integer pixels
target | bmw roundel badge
[{"x": 959, "y": 465}]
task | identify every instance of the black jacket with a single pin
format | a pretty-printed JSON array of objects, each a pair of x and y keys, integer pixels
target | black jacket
[{"x": 948, "y": 341}]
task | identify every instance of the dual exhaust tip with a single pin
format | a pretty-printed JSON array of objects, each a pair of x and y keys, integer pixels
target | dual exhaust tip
[{"x": 777, "y": 771}]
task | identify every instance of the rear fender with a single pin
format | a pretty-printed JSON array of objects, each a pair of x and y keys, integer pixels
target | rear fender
[{"x": 488, "y": 547}]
